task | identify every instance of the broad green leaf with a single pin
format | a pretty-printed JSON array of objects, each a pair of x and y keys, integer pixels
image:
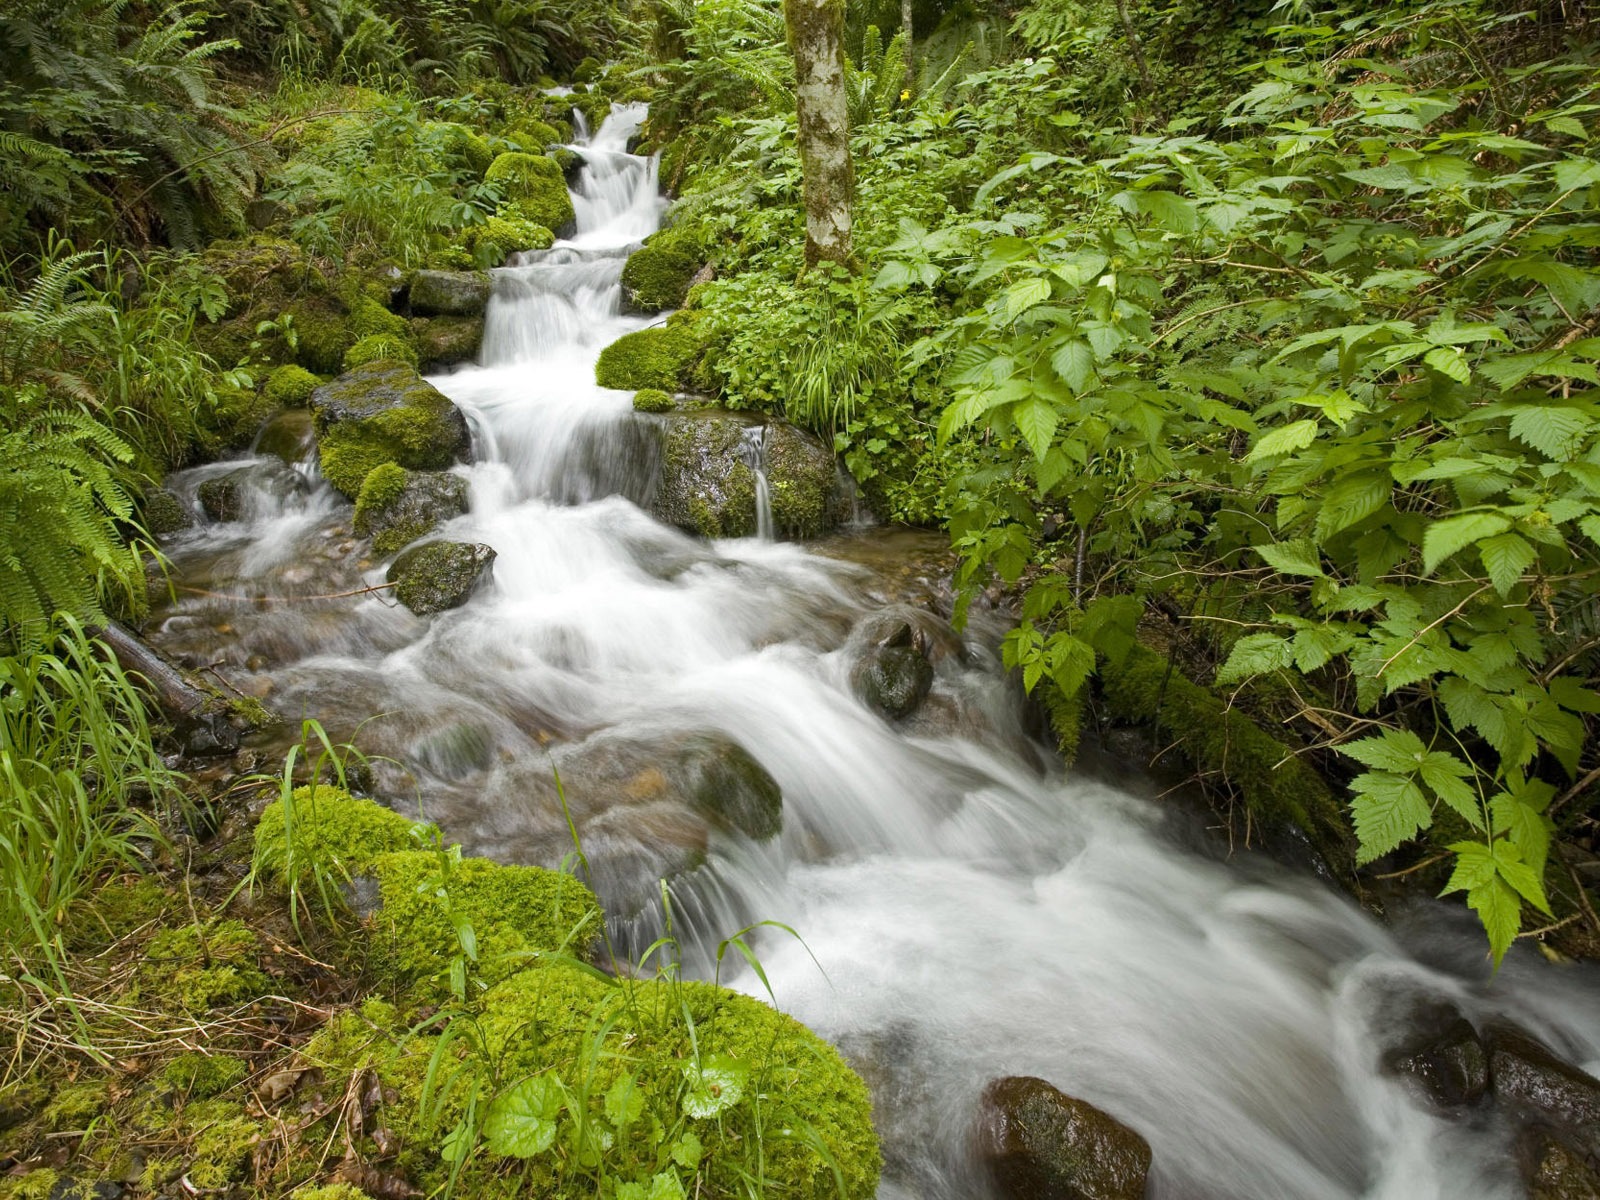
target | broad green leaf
[
  {"x": 1298, "y": 557},
  {"x": 1352, "y": 500},
  {"x": 1398, "y": 751},
  {"x": 1474, "y": 868},
  {"x": 1446, "y": 537},
  {"x": 1390, "y": 177},
  {"x": 1449, "y": 361},
  {"x": 714, "y": 1086},
  {"x": 1509, "y": 866},
  {"x": 521, "y": 1122},
  {"x": 1255, "y": 654},
  {"x": 624, "y": 1101},
  {"x": 1074, "y": 362},
  {"x": 1071, "y": 661},
  {"x": 665, "y": 1185},
  {"x": 1527, "y": 827},
  {"x": 687, "y": 1150},
  {"x": 1036, "y": 420},
  {"x": 1500, "y": 911},
  {"x": 1024, "y": 294},
  {"x": 1388, "y": 809},
  {"x": 1554, "y": 431},
  {"x": 1445, "y": 776},
  {"x": 1297, "y": 435},
  {"x": 1505, "y": 557}
]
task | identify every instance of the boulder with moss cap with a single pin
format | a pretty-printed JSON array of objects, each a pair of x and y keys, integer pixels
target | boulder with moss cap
[
  {"x": 396, "y": 507},
  {"x": 536, "y": 185},
  {"x": 385, "y": 412},
  {"x": 435, "y": 576},
  {"x": 450, "y": 293}
]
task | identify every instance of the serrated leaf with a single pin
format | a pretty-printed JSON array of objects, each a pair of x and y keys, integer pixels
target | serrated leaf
[
  {"x": 1445, "y": 776},
  {"x": 1074, "y": 362},
  {"x": 1036, "y": 420},
  {"x": 687, "y": 1150},
  {"x": 1388, "y": 809},
  {"x": 624, "y": 1101},
  {"x": 1444, "y": 538},
  {"x": 1351, "y": 500},
  {"x": 665, "y": 1185},
  {"x": 1500, "y": 911},
  {"x": 1390, "y": 177},
  {"x": 1449, "y": 362},
  {"x": 1509, "y": 866},
  {"x": 1505, "y": 557},
  {"x": 1298, "y": 557},
  {"x": 1395, "y": 750},
  {"x": 1071, "y": 661},
  {"x": 1527, "y": 827},
  {"x": 521, "y": 1121},
  {"x": 1297, "y": 435},
  {"x": 1554, "y": 431},
  {"x": 1474, "y": 868},
  {"x": 1024, "y": 294},
  {"x": 1255, "y": 654}
]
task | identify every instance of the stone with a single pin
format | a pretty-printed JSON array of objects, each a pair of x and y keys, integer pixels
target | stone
[
  {"x": 438, "y": 575},
  {"x": 706, "y": 485},
  {"x": 400, "y": 516},
  {"x": 894, "y": 680},
  {"x": 731, "y": 789},
  {"x": 1532, "y": 1080},
  {"x": 1441, "y": 1054},
  {"x": 450, "y": 293},
  {"x": 165, "y": 514},
  {"x": 384, "y": 412},
  {"x": 287, "y": 436},
  {"x": 245, "y": 492},
  {"x": 264, "y": 214},
  {"x": 804, "y": 482},
  {"x": 446, "y": 341},
  {"x": 1553, "y": 1171},
  {"x": 1041, "y": 1144}
]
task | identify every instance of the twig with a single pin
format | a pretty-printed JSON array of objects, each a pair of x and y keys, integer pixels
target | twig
[
  {"x": 1429, "y": 627},
  {"x": 1542, "y": 930},
  {"x": 1575, "y": 790},
  {"x": 1411, "y": 870},
  {"x": 361, "y": 591}
]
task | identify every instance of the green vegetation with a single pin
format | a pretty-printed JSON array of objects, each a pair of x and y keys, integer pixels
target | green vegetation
[
  {"x": 657, "y": 275},
  {"x": 535, "y": 186},
  {"x": 667, "y": 358}
]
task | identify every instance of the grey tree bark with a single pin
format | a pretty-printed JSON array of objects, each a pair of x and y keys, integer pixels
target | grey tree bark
[
  {"x": 816, "y": 38},
  {"x": 910, "y": 84}
]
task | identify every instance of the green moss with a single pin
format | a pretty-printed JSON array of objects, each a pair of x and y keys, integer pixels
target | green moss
[
  {"x": 202, "y": 1076},
  {"x": 470, "y": 149},
  {"x": 121, "y": 908},
  {"x": 368, "y": 318},
  {"x": 32, "y": 1185},
  {"x": 658, "y": 274},
  {"x": 322, "y": 335},
  {"x": 380, "y": 489},
  {"x": 74, "y": 1106},
  {"x": 384, "y": 412},
  {"x": 588, "y": 70},
  {"x": 251, "y": 712},
  {"x": 330, "y": 1191},
  {"x": 447, "y": 340},
  {"x": 514, "y": 911},
  {"x": 396, "y": 507},
  {"x": 664, "y": 357},
  {"x": 536, "y": 185},
  {"x": 535, "y": 136},
  {"x": 289, "y": 386},
  {"x": 222, "y": 1140},
  {"x": 200, "y": 968},
  {"x": 652, "y": 400},
  {"x": 803, "y": 477},
  {"x": 546, "y": 1020},
  {"x": 237, "y": 418},
  {"x": 1220, "y": 740},
  {"x": 1064, "y": 711},
  {"x": 513, "y": 229},
  {"x": 380, "y": 348},
  {"x": 326, "y": 827}
]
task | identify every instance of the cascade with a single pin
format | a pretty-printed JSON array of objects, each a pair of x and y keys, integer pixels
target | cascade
[{"x": 977, "y": 910}]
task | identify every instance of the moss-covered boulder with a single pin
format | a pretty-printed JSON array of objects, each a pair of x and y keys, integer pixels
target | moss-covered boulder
[
  {"x": 707, "y": 485},
  {"x": 250, "y": 491},
  {"x": 652, "y": 400},
  {"x": 396, "y": 507},
  {"x": 164, "y": 514},
  {"x": 658, "y": 274},
  {"x": 380, "y": 347},
  {"x": 438, "y": 575},
  {"x": 289, "y": 386},
  {"x": 667, "y": 357},
  {"x": 368, "y": 318},
  {"x": 325, "y": 828},
  {"x": 385, "y": 412},
  {"x": 450, "y": 293},
  {"x": 1041, "y": 1144},
  {"x": 698, "y": 1059},
  {"x": 537, "y": 186},
  {"x": 446, "y": 341},
  {"x": 808, "y": 496}
]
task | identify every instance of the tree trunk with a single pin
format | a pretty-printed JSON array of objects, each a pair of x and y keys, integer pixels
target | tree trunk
[
  {"x": 1137, "y": 47},
  {"x": 910, "y": 85},
  {"x": 816, "y": 37}
]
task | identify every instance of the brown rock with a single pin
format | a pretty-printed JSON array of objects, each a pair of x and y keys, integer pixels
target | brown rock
[{"x": 1041, "y": 1144}]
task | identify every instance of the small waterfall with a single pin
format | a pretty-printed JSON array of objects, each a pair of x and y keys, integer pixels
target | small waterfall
[{"x": 753, "y": 452}]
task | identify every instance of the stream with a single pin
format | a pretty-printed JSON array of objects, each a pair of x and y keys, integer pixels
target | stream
[{"x": 975, "y": 910}]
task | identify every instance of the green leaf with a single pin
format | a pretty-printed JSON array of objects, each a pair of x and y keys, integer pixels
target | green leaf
[
  {"x": 1074, "y": 362},
  {"x": 1388, "y": 809},
  {"x": 1297, "y": 435},
  {"x": 624, "y": 1101},
  {"x": 715, "y": 1086},
  {"x": 521, "y": 1122},
  {"x": 687, "y": 1150},
  {"x": 1391, "y": 177},
  {"x": 1474, "y": 868},
  {"x": 1071, "y": 661},
  {"x": 1570, "y": 126},
  {"x": 1449, "y": 362},
  {"x": 1351, "y": 500},
  {"x": 1036, "y": 420},
  {"x": 1445, "y": 776},
  {"x": 1396, "y": 750},
  {"x": 1024, "y": 294},
  {"x": 1446, "y": 537},
  {"x": 1505, "y": 557},
  {"x": 1298, "y": 557},
  {"x": 1527, "y": 827},
  {"x": 1255, "y": 654},
  {"x": 665, "y": 1186},
  {"x": 1554, "y": 431}
]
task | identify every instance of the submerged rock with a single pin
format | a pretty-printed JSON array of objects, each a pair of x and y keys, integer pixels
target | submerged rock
[
  {"x": 438, "y": 575},
  {"x": 1041, "y": 1144},
  {"x": 1537, "y": 1084},
  {"x": 1555, "y": 1172},
  {"x": 384, "y": 412},
  {"x": 165, "y": 514},
  {"x": 731, "y": 789},
  {"x": 238, "y": 494},
  {"x": 287, "y": 436},
  {"x": 447, "y": 341},
  {"x": 1440, "y": 1052},
  {"x": 396, "y": 506},
  {"x": 450, "y": 293}
]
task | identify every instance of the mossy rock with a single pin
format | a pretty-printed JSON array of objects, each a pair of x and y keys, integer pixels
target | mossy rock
[
  {"x": 893, "y": 680},
  {"x": 396, "y": 507},
  {"x": 237, "y": 417},
  {"x": 450, "y": 293},
  {"x": 588, "y": 70},
  {"x": 1222, "y": 742},
  {"x": 803, "y": 483},
  {"x": 537, "y": 185},
  {"x": 288, "y": 436},
  {"x": 658, "y": 274},
  {"x": 380, "y": 347},
  {"x": 705, "y": 485},
  {"x": 385, "y": 412},
  {"x": 250, "y": 491},
  {"x": 731, "y": 789},
  {"x": 435, "y": 576},
  {"x": 668, "y": 357},
  {"x": 515, "y": 912},
  {"x": 164, "y": 514},
  {"x": 368, "y": 318},
  {"x": 468, "y": 148},
  {"x": 325, "y": 828},
  {"x": 446, "y": 341},
  {"x": 289, "y": 386},
  {"x": 653, "y": 400},
  {"x": 671, "y": 1034}
]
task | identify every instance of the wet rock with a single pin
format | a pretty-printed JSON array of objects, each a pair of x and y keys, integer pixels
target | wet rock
[
  {"x": 165, "y": 514},
  {"x": 438, "y": 575},
  {"x": 731, "y": 789},
  {"x": 804, "y": 483},
  {"x": 1532, "y": 1080},
  {"x": 1041, "y": 1144},
  {"x": 1439, "y": 1051},
  {"x": 447, "y": 341},
  {"x": 287, "y": 436},
  {"x": 450, "y": 293},
  {"x": 1553, "y": 1171},
  {"x": 707, "y": 486},
  {"x": 242, "y": 493},
  {"x": 413, "y": 504},
  {"x": 385, "y": 412},
  {"x": 894, "y": 680}
]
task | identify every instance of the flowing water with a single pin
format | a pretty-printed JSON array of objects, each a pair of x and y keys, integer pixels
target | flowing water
[{"x": 977, "y": 911}]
